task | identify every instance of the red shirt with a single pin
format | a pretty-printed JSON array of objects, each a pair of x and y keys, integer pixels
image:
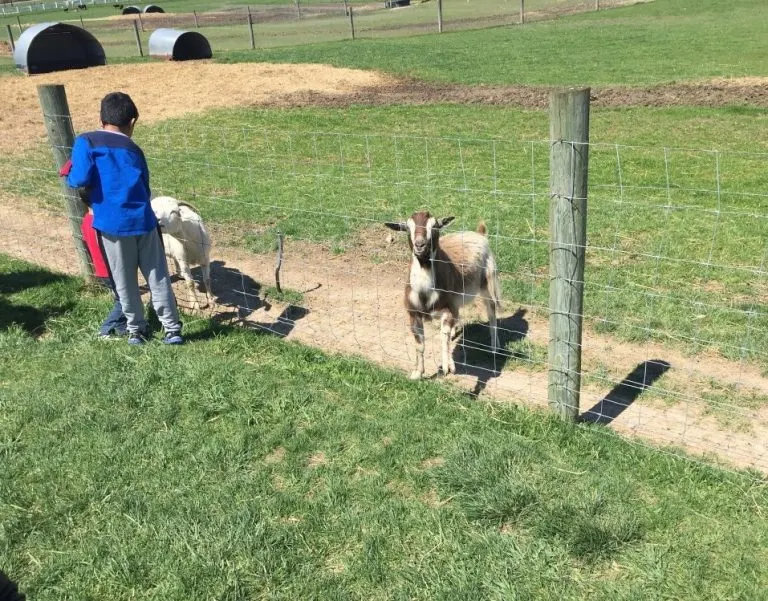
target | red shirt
[{"x": 91, "y": 241}]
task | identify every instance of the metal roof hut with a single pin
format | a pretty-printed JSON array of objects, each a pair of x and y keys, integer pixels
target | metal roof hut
[
  {"x": 153, "y": 8},
  {"x": 48, "y": 47},
  {"x": 130, "y": 10},
  {"x": 178, "y": 45}
]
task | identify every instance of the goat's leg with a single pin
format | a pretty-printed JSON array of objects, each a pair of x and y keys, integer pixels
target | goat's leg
[
  {"x": 447, "y": 329},
  {"x": 417, "y": 328},
  {"x": 190, "y": 281},
  {"x": 206, "y": 268},
  {"x": 177, "y": 267},
  {"x": 490, "y": 308}
]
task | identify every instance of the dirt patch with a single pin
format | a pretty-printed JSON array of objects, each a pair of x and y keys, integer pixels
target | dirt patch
[
  {"x": 751, "y": 91},
  {"x": 353, "y": 306},
  {"x": 164, "y": 90}
]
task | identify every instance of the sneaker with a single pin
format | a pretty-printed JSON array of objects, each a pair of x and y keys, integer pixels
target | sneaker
[
  {"x": 136, "y": 338},
  {"x": 112, "y": 335},
  {"x": 109, "y": 336},
  {"x": 173, "y": 337}
]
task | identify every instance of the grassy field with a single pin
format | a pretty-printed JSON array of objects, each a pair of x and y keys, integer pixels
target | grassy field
[
  {"x": 666, "y": 40},
  {"x": 242, "y": 467}
]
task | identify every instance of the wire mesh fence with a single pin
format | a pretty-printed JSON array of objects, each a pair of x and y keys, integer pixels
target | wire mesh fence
[{"x": 675, "y": 326}]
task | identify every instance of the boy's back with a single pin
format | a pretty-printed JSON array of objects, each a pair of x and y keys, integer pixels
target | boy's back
[{"x": 114, "y": 169}]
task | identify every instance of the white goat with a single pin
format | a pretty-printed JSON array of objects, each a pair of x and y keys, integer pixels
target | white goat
[
  {"x": 446, "y": 273},
  {"x": 186, "y": 241}
]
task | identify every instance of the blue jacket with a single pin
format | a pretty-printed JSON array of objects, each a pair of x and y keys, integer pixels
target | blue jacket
[{"x": 114, "y": 170}]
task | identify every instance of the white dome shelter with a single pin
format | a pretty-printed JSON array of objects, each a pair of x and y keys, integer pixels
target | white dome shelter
[{"x": 178, "y": 45}]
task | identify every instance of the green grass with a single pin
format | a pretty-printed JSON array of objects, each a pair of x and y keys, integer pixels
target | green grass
[
  {"x": 243, "y": 467},
  {"x": 666, "y": 40}
]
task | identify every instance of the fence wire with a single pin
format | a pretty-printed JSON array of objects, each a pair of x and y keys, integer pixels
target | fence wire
[{"x": 675, "y": 321}]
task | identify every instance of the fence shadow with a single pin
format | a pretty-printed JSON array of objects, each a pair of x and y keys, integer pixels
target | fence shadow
[
  {"x": 626, "y": 392},
  {"x": 472, "y": 353},
  {"x": 232, "y": 288},
  {"x": 283, "y": 324}
]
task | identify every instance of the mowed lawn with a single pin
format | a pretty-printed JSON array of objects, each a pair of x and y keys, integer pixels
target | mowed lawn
[{"x": 240, "y": 466}]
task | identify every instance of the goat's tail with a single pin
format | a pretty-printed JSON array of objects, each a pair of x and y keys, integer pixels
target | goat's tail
[{"x": 481, "y": 229}]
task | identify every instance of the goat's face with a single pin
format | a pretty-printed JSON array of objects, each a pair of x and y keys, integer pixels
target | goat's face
[
  {"x": 168, "y": 214},
  {"x": 423, "y": 233}
]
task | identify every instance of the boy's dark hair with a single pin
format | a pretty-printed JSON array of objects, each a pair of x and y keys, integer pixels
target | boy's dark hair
[{"x": 118, "y": 109}]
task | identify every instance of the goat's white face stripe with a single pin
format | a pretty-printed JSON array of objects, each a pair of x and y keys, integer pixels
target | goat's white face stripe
[
  {"x": 412, "y": 229},
  {"x": 431, "y": 223}
]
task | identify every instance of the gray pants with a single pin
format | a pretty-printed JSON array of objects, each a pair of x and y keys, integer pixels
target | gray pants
[{"x": 125, "y": 256}]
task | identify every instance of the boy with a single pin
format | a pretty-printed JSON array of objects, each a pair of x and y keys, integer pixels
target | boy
[{"x": 114, "y": 170}]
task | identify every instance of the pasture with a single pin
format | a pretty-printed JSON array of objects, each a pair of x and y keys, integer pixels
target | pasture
[
  {"x": 307, "y": 442},
  {"x": 244, "y": 467}
]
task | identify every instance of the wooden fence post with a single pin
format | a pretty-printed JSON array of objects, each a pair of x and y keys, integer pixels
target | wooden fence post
[
  {"x": 522, "y": 12},
  {"x": 58, "y": 124},
  {"x": 18, "y": 20},
  {"x": 250, "y": 29},
  {"x": 597, "y": 4},
  {"x": 10, "y": 39},
  {"x": 439, "y": 16},
  {"x": 141, "y": 22},
  {"x": 346, "y": 8},
  {"x": 194, "y": 14},
  {"x": 298, "y": 9},
  {"x": 351, "y": 23},
  {"x": 569, "y": 166},
  {"x": 138, "y": 37}
]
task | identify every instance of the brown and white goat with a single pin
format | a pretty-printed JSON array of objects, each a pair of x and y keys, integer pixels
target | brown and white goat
[{"x": 447, "y": 273}]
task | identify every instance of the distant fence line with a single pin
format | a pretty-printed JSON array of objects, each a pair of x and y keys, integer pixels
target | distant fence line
[{"x": 515, "y": 12}]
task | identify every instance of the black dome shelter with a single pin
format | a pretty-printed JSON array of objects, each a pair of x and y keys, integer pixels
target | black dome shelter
[
  {"x": 153, "y": 8},
  {"x": 178, "y": 45},
  {"x": 130, "y": 10},
  {"x": 48, "y": 47}
]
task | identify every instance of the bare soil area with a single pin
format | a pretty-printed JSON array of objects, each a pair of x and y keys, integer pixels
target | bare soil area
[
  {"x": 164, "y": 90},
  {"x": 353, "y": 305}
]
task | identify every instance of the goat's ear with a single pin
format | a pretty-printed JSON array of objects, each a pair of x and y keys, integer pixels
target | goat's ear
[
  {"x": 398, "y": 227},
  {"x": 444, "y": 221}
]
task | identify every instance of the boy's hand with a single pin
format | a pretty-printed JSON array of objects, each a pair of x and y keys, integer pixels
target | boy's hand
[{"x": 65, "y": 168}]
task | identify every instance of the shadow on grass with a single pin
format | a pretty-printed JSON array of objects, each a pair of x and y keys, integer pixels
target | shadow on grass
[
  {"x": 16, "y": 281},
  {"x": 30, "y": 318},
  {"x": 472, "y": 353},
  {"x": 626, "y": 392}
]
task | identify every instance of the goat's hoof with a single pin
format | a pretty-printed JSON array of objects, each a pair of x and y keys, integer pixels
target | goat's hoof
[{"x": 416, "y": 375}]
